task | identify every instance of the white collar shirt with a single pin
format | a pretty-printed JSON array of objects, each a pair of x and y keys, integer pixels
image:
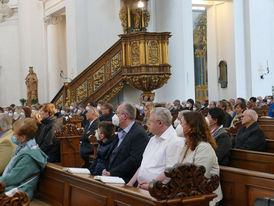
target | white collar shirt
[{"x": 160, "y": 153}]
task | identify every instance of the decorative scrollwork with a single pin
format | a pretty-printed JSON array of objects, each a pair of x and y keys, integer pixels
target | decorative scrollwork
[
  {"x": 90, "y": 86},
  {"x": 135, "y": 53},
  {"x": 123, "y": 17},
  {"x": 99, "y": 78},
  {"x": 153, "y": 54},
  {"x": 107, "y": 97},
  {"x": 81, "y": 92},
  {"x": 116, "y": 63},
  {"x": 184, "y": 180},
  {"x": 72, "y": 96},
  {"x": 59, "y": 102},
  {"x": 69, "y": 130},
  {"x": 20, "y": 198},
  {"x": 147, "y": 82}
]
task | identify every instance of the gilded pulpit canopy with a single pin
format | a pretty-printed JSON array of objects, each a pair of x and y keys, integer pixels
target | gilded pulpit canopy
[
  {"x": 32, "y": 86},
  {"x": 134, "y": 15}
]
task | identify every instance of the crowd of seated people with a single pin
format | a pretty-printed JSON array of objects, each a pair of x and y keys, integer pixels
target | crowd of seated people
[{"x": 187, "y": 131}]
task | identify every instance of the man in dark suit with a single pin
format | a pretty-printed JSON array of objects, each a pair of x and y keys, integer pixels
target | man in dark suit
[
  {"x": 250, "y": 136},
  {"x": 86, "y": 148},
  {"x": 125, "y": 156}
]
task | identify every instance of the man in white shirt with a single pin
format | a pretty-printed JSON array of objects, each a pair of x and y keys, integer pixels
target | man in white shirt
[{"x": 162, "y": 151}]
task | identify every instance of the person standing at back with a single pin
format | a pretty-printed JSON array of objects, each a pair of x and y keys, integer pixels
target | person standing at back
[{"x": 125, "y": 156}]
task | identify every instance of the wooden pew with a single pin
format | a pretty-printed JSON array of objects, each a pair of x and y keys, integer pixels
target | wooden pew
[
  {"x": 58, "y": 187},
  {"x": 241, "y": 187},
  {"x": 251, "y": 160},
  {"x": 270, "y": 145},
  {"x": 69, "y": 136},
  {"x": 20, "y": 198},
  {"x": 268, "y": 131}
]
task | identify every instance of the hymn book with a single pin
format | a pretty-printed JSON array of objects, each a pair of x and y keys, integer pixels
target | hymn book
[
  {"x": 77, "y": 170},
  {"x": 110, "y": 179}
]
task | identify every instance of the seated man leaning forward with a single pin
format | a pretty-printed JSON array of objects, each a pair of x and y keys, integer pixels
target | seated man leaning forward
[
  {"x": 6, "y": 145},
  {"x": 250, "y": 136},
  {"x": 125, "y": 154},
  {"x": 25, "y": 166},
  {"x": 162, "y": 151}
]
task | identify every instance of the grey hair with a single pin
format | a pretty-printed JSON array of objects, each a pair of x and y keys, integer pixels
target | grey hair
[
  {"x": 163, "y": 114},
  {"x": 5, "y": 122},
  {"x": 253, "y": 114},
  {"x": 130, "y": 110}
]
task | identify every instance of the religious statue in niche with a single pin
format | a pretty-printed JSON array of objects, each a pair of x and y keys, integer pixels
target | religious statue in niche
[
  {"x": 223, "y": 74},
  {"x": 32, "y": 86}
]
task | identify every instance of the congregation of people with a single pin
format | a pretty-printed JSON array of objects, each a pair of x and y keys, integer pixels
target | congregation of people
[{"x": 135, "y": 142}]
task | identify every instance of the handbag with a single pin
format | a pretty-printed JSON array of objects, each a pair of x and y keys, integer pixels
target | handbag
[{"x": 264, "y": 201}]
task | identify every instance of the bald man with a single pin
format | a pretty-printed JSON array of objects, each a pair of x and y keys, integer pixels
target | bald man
[{"x": 250, "y": 136}]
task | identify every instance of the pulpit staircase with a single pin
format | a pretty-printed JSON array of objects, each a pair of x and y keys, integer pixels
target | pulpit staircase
[{"x": 138, "y": 59}]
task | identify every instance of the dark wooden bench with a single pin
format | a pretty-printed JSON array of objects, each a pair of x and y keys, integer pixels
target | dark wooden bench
[
  {"x": 241, "y": 187},
  {"x": 58, "y": 187},
  {"x": 270, "y": 145},
  {"x": 251, "y": 160},
  {"x": 268, "y": 131}
]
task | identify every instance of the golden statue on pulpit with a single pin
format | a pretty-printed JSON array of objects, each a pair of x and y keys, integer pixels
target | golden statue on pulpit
[{"x": 32, "y": 86}]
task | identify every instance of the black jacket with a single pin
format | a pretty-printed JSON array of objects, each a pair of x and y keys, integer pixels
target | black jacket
[
  {"x": 251, "y": 138},
  {"x": 46, "y": 140},
  {"x": 99, "y": 163},
  {"x": 128, "y": 157},
  {"x": 86, "y": 147},
  {"x": 228, "y": 119},
  {"x": 224, "y": 145}
]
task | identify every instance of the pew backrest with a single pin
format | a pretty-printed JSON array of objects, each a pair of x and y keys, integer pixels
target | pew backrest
[
  {"x": 242, "y": 187},
  {"x": 251, "y": 160}
]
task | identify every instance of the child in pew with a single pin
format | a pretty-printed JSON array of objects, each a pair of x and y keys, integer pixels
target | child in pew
[{"x": 106, "y": 135}]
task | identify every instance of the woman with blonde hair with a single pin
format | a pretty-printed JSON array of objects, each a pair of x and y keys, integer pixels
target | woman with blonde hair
[{"x": 199, "y": 147}]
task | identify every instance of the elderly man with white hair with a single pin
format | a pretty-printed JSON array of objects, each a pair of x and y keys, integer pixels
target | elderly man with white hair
[
  {"x": 250, "y": 136},
  {"x": 162, "y": 151},
  {"x": 6, "y": 145}
]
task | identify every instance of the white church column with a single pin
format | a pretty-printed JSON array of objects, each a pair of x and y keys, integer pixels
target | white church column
[
  {"x": 259, "y": 40},
  {"x": 31, "y": 40},
  {"x": 176, "y": 17},
  {"x": 54, "y": 80},
  {"x": 221, "y": 46}
]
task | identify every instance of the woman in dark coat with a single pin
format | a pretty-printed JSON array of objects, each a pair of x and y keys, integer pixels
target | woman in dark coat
[
  {"x": 46, "y": 140},
  {"x": 106, "y": 136},
  {"x": 216, "y": 118}
]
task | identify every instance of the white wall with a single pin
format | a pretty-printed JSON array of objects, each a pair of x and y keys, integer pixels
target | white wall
[
  {"x": 220, "y": 33},
  {"x": 261, "y": 22},
  {"x": 11, "y": 79},
  {"x": 22, "y": 45},
  {"x": 176, "y": 17}
]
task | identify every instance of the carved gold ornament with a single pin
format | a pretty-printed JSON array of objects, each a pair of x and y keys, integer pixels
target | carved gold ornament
[
  {"x": 124, "y": 18},
  {"x": 59, "y": 102},
  {"x": 99, "y": 78},
  {"x": 135, "y": 53},
  {"x": 116, "y": 63},
  {"x": 112, "y": 92},
  {"x": 153, "y": 54},
  {"x": 147, "y": 82},
  {"x": 81, "y": 92}
]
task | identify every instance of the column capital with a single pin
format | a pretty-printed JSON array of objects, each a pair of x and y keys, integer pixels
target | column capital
[{"x": 53, "y": 20}]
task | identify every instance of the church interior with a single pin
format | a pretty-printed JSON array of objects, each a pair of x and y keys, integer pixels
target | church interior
[{"x": 80, "y": 67}]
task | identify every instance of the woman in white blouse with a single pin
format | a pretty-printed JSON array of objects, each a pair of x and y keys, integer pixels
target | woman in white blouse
[{"x": 199, "y": 147}]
